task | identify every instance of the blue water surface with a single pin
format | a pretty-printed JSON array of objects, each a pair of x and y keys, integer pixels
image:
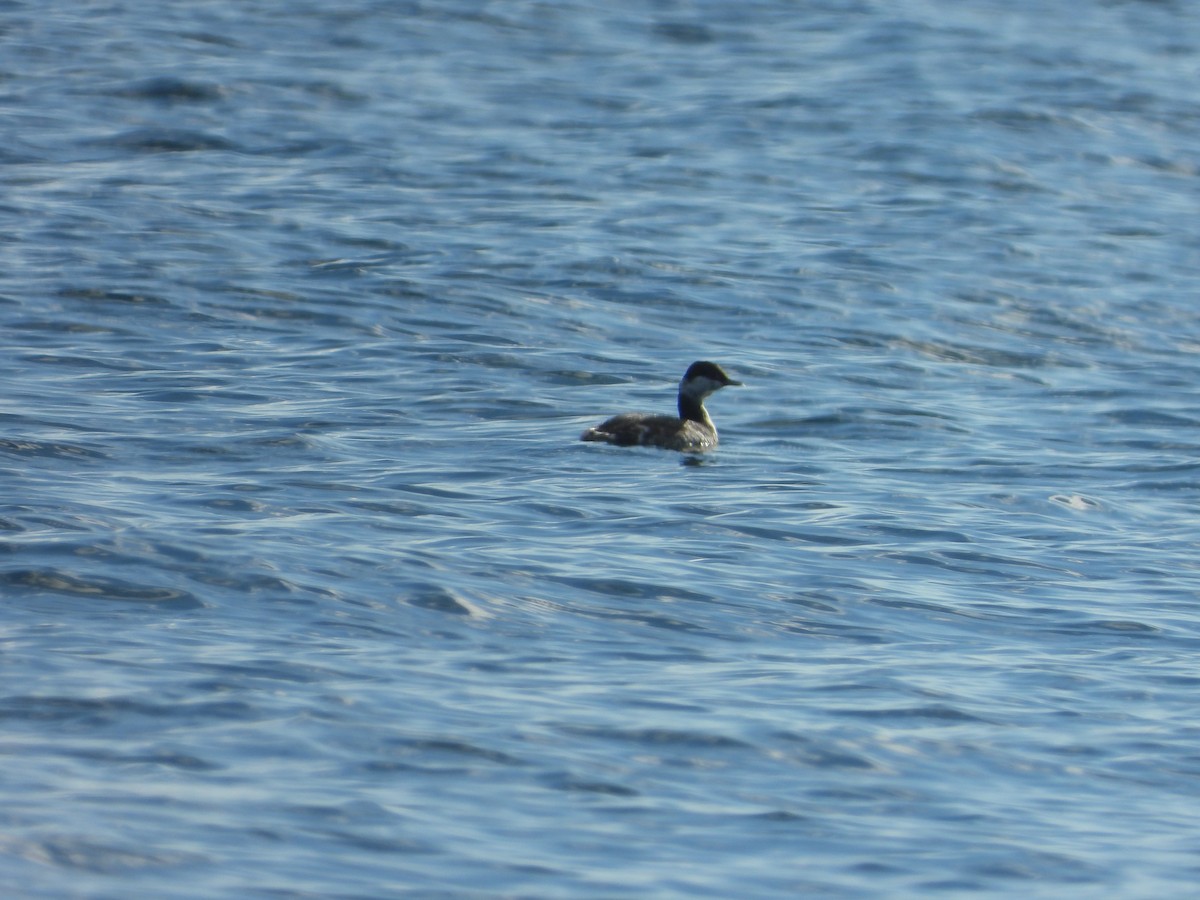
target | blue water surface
[{"x": 308, "y": 588}]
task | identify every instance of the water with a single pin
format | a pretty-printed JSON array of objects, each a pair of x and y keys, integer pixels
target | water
[{"x": 310, "y": 590}]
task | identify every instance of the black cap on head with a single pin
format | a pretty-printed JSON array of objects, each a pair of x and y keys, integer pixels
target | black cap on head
[{"x": 711, "y": 371}]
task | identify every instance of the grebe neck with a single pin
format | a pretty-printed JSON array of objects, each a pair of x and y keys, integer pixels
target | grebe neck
[{"x": 692, "y": 409}]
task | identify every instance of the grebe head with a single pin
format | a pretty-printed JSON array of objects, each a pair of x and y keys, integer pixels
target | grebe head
[{"x": 702, "y": 379}]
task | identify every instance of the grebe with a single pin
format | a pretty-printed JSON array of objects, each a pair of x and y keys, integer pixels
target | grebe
[{"x": 692, "y": 431}]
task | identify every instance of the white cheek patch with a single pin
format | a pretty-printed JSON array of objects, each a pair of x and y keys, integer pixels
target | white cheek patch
[{"x": 702, "y": 386}]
